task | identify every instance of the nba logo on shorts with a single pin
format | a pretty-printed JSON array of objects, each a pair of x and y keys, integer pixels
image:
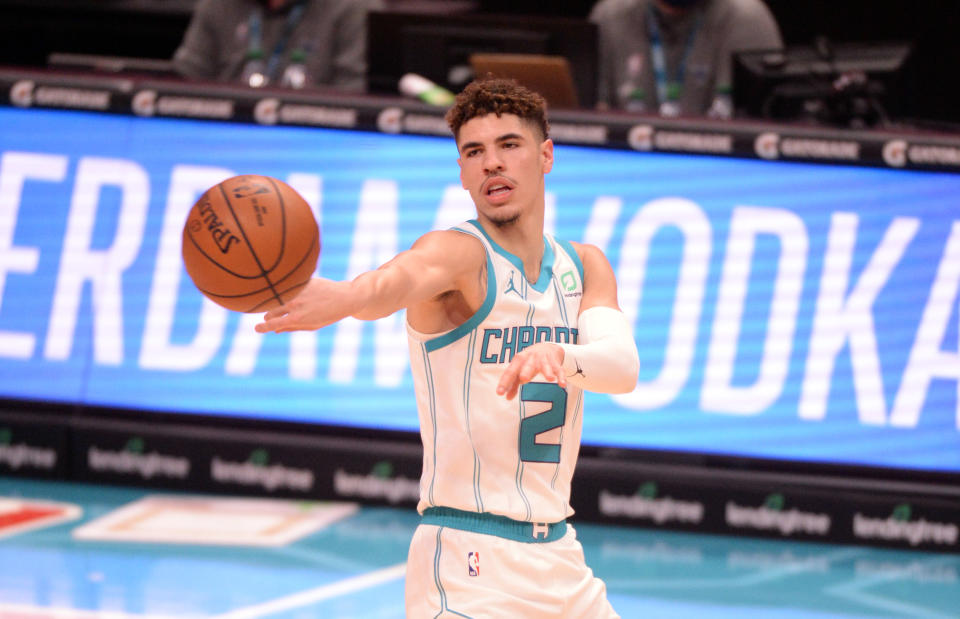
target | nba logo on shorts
[{"x": 473, "y": 563}]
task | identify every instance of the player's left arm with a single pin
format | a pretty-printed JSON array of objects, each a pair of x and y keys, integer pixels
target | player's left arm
[{"x": 604, "y": 359}]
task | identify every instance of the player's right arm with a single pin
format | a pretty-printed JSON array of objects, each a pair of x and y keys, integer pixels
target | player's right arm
[{"x": 437, "y": 263}]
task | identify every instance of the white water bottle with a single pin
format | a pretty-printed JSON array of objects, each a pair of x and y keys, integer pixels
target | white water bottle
[
  {"x": 295, "y": 75},
  {"x": 413, "y": 85},
  {"x": 255, "y": 71}
]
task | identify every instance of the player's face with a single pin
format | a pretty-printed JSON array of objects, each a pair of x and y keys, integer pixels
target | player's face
[{"x": 502, "y": 163}]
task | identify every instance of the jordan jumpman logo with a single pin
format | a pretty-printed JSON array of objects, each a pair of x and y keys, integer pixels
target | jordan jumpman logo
[{"x": 510, "y": 286}]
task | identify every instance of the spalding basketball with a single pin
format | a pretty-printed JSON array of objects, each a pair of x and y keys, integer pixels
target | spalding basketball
[{"x": 250, "y": 243}]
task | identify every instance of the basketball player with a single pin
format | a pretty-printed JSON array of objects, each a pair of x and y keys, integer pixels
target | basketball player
[{"x": 506, "y": 327}]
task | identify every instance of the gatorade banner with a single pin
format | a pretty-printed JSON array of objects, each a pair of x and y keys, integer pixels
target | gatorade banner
[{"x": 782, "y": 310}]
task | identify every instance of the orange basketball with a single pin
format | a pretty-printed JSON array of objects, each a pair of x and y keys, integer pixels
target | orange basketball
[{"x": 250, "y": 243}]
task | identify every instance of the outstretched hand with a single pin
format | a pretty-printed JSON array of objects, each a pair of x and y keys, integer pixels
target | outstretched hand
[
  {"x": 544, "y": 358},
  {"x": 320, "y": 303}
]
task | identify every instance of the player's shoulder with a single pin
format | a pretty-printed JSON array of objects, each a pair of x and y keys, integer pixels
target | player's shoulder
[
  {"x": 585, "y": 250},
  {"x": 594, "y": 261},
  {"x": 453, "y": 244}
]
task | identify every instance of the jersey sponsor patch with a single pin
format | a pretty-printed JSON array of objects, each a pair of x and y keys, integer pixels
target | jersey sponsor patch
[{"x": 21, "y": 515}]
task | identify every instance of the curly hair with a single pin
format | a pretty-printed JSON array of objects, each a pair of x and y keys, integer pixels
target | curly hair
[{"x": 498, "y": 96}]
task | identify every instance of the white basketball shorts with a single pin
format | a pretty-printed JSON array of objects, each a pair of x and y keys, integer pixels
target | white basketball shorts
[{"x": 452, "y": 572}]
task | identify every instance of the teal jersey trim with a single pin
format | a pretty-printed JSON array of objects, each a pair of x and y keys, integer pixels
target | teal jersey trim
[
  {"x": 568, "y": 247},
  {"x": 476, "y": 319},
  {"x": 436, "y": 575},
  {"x": 546, "y": 265},
  {"x": 493, "y": 524},
  {"x": 428, "y": 371},
  {"x": 478, "y": 499},
  {"x": 563, "y": 306},
  {"x": 436, "y": 579}
]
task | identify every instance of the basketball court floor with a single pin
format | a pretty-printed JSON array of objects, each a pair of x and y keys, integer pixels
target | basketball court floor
[{"x": 82, "y": 551}]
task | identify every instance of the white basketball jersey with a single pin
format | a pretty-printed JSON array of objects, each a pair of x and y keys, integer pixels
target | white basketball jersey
[{"x": 482, "y": 452}]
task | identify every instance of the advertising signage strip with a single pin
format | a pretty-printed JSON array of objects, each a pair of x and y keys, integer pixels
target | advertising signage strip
[
  {"x": 798, "y": 311},
  {"x": 171, "y": 99}
]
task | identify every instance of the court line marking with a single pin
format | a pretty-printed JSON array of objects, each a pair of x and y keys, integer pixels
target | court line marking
[
  {"x": 854, "y": 590},
  {"x": 758, "y": 574},
  {"x": 312, "y": 596}
]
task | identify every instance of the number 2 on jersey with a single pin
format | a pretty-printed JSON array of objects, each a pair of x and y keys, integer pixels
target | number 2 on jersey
[{"x": 534, "y": 425}]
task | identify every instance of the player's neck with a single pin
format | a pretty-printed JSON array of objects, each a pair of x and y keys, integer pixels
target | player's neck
[{"x": 523, "y": 238}]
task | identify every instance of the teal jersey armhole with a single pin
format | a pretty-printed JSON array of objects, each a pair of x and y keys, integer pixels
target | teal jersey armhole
[
  {"x": 572, "y": 252},
  {"x": 477, "y": 318}
]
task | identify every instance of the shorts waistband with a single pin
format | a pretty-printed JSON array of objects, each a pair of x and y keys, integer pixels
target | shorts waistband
[{"x": 492, "y": 524}]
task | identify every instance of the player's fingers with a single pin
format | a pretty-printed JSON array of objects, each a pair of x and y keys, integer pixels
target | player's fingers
[
  {"x": 271, "y": 324},
  {"x": 561, "y": 378},
  {"x": 547, "y": 369},
  {"x": 276, "y": 312},
  {"x": 557, "y": 373},
  {"x": 515, "y": 375},
  {"x": 527, "y": 371},
  {"x": 507, "y": 379}
]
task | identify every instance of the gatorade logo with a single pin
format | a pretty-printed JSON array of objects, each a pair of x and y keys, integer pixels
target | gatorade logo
[
  {"x": 895, "y": 153},
  {"x": 640, "y": 137},
  {"x": 21, "y": 93},
  {"x": 767, "y": 146},
  {"x": 390, "y": 120},
  {"x": 145, "y": 103},
  {"x": 267, "y": 111}
]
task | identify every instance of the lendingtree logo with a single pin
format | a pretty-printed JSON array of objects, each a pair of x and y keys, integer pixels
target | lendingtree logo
[
  {"x": 772, "y": 515},
  {"x": 648, "y": 490},
  {"x": 382, "y": 482},
  {"x": 259, "y": 457},
  {"x": 258, "y": 471},
  {"x": 382, "y": 469},
  {"x": 901, "y": 526},
  {"x": 902, "y": 512},
  {"x": 775, "y": 502},
  {"x": 645, "y": 504},
  {"x": 134, "y": 458},
  {"x": 23, "y": 455}
]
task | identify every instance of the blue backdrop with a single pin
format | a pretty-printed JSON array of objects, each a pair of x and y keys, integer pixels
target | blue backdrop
[{"x": 782, "y": 310}]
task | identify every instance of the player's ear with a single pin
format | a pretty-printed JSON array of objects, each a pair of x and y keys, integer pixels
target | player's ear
[
  {"x": 463, "y": 183},
  {"x": 546, "y": 155}
]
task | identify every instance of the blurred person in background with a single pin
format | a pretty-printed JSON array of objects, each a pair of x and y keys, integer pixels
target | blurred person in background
[
  {"x": 289, "y": 43},
  {"x": 674, "y": 57}
]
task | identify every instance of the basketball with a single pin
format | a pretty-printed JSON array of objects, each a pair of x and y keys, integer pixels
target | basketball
[{"x": 250, "y": 243}]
